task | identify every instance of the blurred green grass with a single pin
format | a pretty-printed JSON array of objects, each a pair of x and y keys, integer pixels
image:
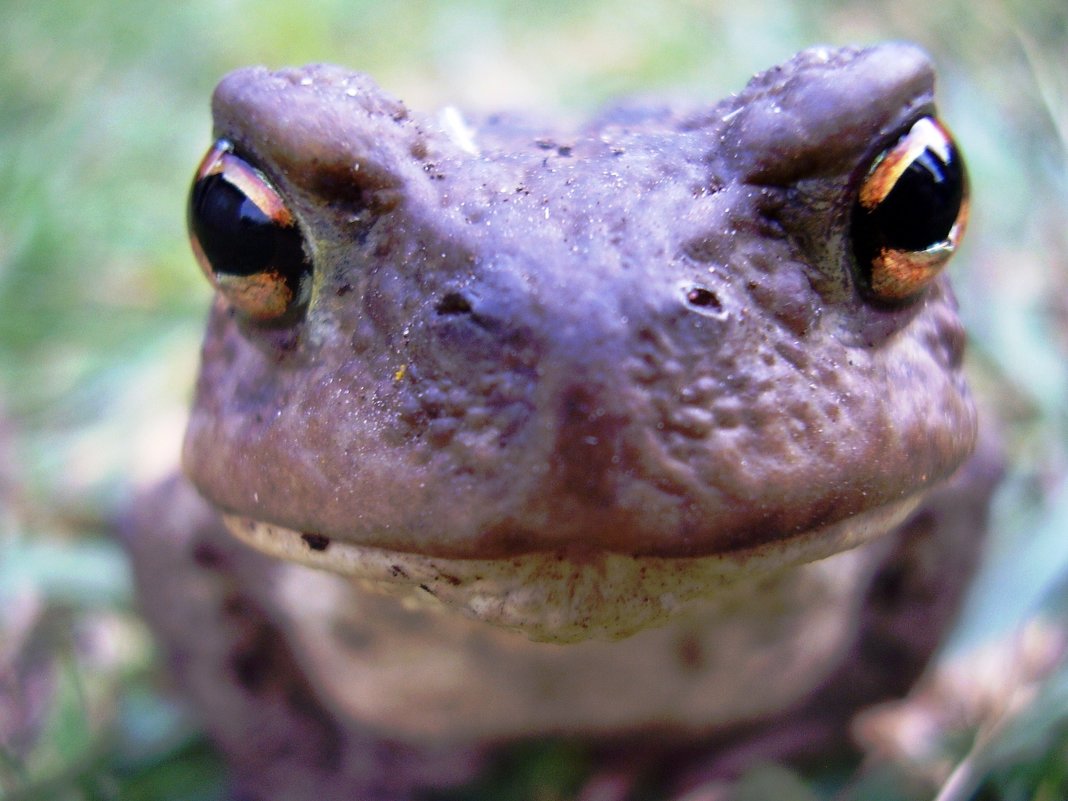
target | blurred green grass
[{"x": 105, "y": 113}]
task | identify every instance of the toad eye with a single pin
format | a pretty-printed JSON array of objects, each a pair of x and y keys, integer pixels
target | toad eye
[
  {"x": 910, "y": 213},
  {"x": 245, "y": 239}
]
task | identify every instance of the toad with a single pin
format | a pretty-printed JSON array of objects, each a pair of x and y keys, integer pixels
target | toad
[{"x": 647, "y": 433}]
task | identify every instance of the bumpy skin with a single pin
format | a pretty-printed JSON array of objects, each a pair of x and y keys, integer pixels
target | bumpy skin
[
  {"x": 643, "y": 338},
  {"x": 511, "y": 328}
]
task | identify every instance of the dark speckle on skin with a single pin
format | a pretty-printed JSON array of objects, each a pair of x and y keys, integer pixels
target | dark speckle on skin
[
  {"x": 317, "y": 542},
  {"x": 690, "y": 653},
  {"x": 207, "y": 556},
  {"x": 250, "y": 668}
]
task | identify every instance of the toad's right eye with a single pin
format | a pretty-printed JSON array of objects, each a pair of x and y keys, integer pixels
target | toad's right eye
[{"x": 246, "y": 241}]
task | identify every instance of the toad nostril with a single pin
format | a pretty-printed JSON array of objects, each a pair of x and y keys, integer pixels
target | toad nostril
[
  {"x": 703, "y": 299},
  {"x": 453, "y": 303}
]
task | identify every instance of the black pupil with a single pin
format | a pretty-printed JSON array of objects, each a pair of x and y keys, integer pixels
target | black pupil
[
  {"x": 923, "y": 205},
  {"x": 237, "y": 237}
]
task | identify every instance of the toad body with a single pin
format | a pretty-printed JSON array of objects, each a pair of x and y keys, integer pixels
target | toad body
[{"x": 637, "y": 432}]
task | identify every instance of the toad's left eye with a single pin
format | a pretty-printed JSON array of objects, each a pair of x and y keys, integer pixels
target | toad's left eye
[
  {"x": 910, "y": 213},
  {"x": 245, "y": 239}
]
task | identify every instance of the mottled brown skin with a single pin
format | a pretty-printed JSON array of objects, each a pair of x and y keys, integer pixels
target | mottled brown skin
[{"x": 642, "y": 337}]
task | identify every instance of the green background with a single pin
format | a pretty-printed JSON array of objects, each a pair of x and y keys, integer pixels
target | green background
[{"x": 103, "y": 116}]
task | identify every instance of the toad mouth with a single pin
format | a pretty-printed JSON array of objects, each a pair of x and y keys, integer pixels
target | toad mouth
[{"x": 559, "y": 596}]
